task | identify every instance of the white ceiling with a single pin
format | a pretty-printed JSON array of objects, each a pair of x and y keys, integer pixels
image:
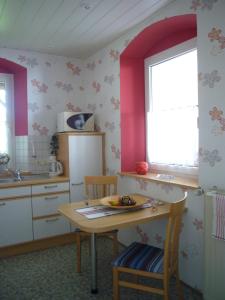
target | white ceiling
[{"x": 75, "y": 28}]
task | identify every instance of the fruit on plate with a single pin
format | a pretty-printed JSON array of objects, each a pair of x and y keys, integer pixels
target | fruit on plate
[
  {"x": 126, "y": 200},
  {"x": 114, "y": 202}
]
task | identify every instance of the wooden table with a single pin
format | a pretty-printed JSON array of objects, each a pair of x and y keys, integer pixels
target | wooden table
[{"x": 108, "y": 223}]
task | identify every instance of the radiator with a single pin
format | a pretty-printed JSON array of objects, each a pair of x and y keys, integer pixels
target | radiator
[{"x": 214, "y": 260}]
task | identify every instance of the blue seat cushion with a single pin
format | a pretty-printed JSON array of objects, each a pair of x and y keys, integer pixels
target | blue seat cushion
[{"x": 141, "y": 257}]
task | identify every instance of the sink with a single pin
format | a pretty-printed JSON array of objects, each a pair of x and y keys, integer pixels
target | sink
[
  {"x": 24, "y": 178},
  {"x": 35, "y": 176},
  {"x": 7, "y": 180}
]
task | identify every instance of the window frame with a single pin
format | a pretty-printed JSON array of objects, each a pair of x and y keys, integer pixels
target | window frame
[
  {"x": 165, "y": 55},
  {"x": 9, "y": 86}
]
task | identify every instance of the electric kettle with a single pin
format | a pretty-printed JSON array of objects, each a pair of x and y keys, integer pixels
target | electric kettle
[{"x": 55, "y": 167}]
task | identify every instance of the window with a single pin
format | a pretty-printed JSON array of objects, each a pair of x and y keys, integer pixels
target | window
[
  {"x": 6, "y": 116},
  {"x": 172, "y": 109}
]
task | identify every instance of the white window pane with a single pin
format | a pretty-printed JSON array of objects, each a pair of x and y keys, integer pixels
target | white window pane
[
  {"x": 3, "y": 122},
  {"x": 172, "y": 131},
  {"x": 173, "y": 144},
  {"x": 6, "y": 115},
  {"x": 174, "y": 82},
  {"x": 3, "y": 109}
]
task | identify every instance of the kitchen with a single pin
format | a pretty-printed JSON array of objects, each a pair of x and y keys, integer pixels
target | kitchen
[{"x": 58, "y": 83}]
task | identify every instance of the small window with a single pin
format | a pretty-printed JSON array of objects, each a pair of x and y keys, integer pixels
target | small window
[
  {"x": 172, "y": 109},
  {"x": 7, "y": 116}
]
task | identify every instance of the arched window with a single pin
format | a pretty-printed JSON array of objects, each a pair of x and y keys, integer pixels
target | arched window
[
  {"x": 153, "y": 39},
  {"x": 14, "y": 114},
  {"x": 171, "y": 98}
]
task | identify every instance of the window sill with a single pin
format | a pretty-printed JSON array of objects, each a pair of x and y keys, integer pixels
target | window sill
[{"x": 183, "y": 182}]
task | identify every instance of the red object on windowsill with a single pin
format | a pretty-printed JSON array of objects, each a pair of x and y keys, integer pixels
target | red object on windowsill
[{"x": 142, "y": 167}]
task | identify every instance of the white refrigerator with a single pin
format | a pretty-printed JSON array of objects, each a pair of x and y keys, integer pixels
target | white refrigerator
[
  {"x": 85, "y": 158},
  {"x": 82, "y": 154}
]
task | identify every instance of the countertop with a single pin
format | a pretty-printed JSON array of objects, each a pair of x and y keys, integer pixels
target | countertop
[{"x": 34, "y": 182}]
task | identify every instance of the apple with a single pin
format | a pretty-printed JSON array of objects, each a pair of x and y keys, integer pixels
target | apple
[{"x": 114, "y": 202}]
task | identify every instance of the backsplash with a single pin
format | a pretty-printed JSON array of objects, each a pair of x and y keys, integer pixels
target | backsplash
[{"x": 32, "y": 153}]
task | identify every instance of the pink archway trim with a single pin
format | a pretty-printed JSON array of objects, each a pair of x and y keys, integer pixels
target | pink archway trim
[
  {"x": 153, "y": 39},
  {"x": 20, "y": 94}
]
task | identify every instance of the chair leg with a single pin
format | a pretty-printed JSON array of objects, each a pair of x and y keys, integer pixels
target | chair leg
[
  {"x": 89, "y": 245},
  {"x": 166, "y": 287},
  {"x": 115, "y": 244},
  {"x": 179, "y": 288},
  {"x": 116, "y": 294},
  {"x": 78, "y": 245}
]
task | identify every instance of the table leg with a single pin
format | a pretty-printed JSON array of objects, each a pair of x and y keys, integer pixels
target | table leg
[{"x": 94, "y": 288}]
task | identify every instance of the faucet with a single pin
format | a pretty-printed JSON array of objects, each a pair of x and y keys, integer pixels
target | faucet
[{"x": 16, "y": 174}]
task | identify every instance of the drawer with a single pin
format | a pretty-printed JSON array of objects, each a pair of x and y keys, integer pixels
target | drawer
[
  {"x": 50, "y": 188},
  {"x": 48, "y": 204},
  {"x": 14, "y": 192},
  {"x": 51, "y": 226}
]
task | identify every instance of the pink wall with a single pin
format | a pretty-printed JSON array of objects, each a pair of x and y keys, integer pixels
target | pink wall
[
  {"x": 153, "y": 39},
  {"x": 20, "y": 94},
  {"x": 132, "y": 112}
]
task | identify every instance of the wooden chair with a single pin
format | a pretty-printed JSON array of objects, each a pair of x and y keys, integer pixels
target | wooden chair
[
  {"x": 152, "y": 262},
  {"x": 98, "y": 187}
]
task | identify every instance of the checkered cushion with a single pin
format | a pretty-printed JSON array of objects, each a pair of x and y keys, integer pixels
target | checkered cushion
[{"x": 141, "y": 257}]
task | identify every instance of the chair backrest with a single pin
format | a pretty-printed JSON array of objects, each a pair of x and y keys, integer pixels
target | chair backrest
[
  {"x": 100, "y": 186},
  {"x": 173, "y": 229}
]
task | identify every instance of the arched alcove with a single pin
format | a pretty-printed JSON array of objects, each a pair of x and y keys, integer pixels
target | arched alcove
[
  {"x": 153, "y": 39},
  {"x": 20, "y": 94}
]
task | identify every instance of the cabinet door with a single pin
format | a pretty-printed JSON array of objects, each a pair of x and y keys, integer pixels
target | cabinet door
[
  {"x": 85, "y": 158},
  {"x": 15, "y": 221},
  {"x": 50, "y": 226}
]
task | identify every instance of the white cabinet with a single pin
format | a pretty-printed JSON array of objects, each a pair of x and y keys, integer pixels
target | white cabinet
[
  {"x": 46, "y": 199},
  {"x": 50, "y": 226},
  {"x": 30, "y": 212},
  {"x": 15, "y": 216},
  {"x": 81, "y": 154}
]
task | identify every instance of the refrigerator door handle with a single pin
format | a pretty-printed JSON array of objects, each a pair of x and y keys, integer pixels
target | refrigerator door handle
[{"x": 75, "y": 184}]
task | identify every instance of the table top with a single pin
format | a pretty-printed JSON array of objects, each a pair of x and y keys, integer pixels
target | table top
[{"x": 108, "y": 223}]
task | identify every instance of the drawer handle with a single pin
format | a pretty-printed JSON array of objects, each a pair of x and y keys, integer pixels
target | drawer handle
[
  {"x": 51, "y": 198},
  {"x": 52, "y": 220},
  {"x": 79, "y": 183},
  {"x": 50, "y": 186},
  {"x": 2, "y": 204}
]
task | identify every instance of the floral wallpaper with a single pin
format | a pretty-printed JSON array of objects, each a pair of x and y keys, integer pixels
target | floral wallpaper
[
  {"x": 54, "y": 84},
  {"x": 104, "y": 79},
  {"x": 58, "y": 83}
]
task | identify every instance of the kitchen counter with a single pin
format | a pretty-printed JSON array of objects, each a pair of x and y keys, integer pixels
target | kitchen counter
[{"x": 34, "y": 181}]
